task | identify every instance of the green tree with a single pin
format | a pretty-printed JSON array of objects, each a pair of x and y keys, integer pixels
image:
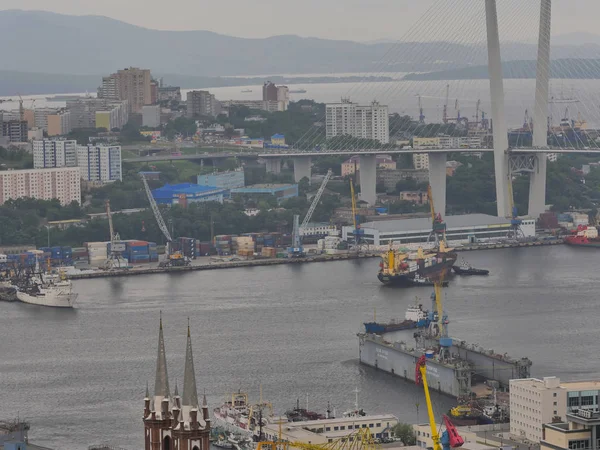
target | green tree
[
  {"x": 303, "y": 186},
  {"x": 405, "y": 433}
]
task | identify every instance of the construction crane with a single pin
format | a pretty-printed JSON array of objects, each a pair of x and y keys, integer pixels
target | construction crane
[
  {"x": 445, "y": 112},
  {"x": 450, "y": 437},
  {"x": 355, "y": 219},
  {"x": 421, "y": 114},
  {"x": 115, "y": 259},
  {"x": 174, "y": 259},
  {"x": 361, "y": 439},
  {"x": 316, "y": 200}
]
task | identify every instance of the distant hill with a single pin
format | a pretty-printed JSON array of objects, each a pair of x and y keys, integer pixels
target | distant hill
[{"x": 562, "y": 68}]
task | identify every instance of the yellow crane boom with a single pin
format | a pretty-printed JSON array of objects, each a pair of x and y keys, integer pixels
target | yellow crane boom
[{"x": 421, "y": 377}]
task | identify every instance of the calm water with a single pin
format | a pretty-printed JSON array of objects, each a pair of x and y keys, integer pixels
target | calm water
[{"x": 79, "y": 376}]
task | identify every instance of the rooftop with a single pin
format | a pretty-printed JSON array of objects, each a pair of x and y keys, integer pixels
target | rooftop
[
  {"x": 581, "y": 385},
  {"x": 267, "y": 186},
  {"x": 467, "y": 220},
  {"x": 535, "y": 383},
  {"x": 168, "y": 190}
]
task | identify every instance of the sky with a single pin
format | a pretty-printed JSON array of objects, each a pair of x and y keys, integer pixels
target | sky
[{"x": 357, "y": 20}]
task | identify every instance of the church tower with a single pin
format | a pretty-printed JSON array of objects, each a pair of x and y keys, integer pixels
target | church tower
[
  {"x": 177, "y": 423},
  {"x": 192, "y": 432},
  {"x": 157, "y": 417}
]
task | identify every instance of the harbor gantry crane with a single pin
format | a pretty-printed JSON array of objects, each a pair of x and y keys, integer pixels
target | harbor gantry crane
[
  {"x": 115, "y": 259},
  {"x": 445, "y": 111},
  {"x": 316, "y": 200},
  {"x": 174, "y": 259},
  {"x": 355, "y": 219},
  {"x": 450, "y": 437},
  {"x": 296, "y": 250},
  {"x": 438, "y": 226}
]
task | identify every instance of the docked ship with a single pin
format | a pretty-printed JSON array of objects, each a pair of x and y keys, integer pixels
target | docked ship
[
  {"x": 52, "y": 291},
  {"x": 402, "y": 269},
  {"x": 584, "y": 237},
  {"x": 465, "y": 415},
  {"x": 238, "y": 416},
  {"x": 415, "y": 317},
  {"x": 298, "y": 91}
]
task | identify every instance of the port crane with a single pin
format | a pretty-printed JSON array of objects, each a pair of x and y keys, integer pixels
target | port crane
[
  {"x": 421, "y": 114},
  {"x": 316, "y": 200},
  {"x": 450, "y": 437},
  {"x": 355, "y": 219},
  {"x": 174, "y": 259},
  {"x": 438, "y": 229},
  {"x": 514, "y": 232},
  {"x": 445, "y": 111},
  {"x": 114, "y": 260}
]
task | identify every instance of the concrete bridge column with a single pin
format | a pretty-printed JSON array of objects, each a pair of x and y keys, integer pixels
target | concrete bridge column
[
  {"x": 301, "y": 168},
  {"x": 437, "y": 181},
  {"x": 537, "y": 180},
  {"x": 273, "y": 165},
  {"x": 368, "y": 179}
]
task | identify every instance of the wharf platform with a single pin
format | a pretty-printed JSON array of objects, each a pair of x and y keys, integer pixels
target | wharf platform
[
  {"x": 500, "y": 245},
  {"x": 222, "y": 265}
]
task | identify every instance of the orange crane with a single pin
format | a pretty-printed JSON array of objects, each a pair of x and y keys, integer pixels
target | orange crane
[{"x": 450, "y": 438}]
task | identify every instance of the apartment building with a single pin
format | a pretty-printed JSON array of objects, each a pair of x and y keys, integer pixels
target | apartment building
[
  {"x": 131, "y": 84},
  {"x": 15, "y": 130},
  {"x": 263, "y": 105},
  {"x": 51, "y": 153},
  {"x": 99, "y": 163},
  {"x": 83, "y": 112},
  {"x": 420, "y": 161},
  {"x": 151, "y": 116},
  {"x": 352, "y": 165},
  {"x": 201, "y": 103},
  {"x": 360, "y": 121},
  {"x": 168, "y": 93},
  {"x": 62, "y": 183},
  {"x": 59, "y": 123}
]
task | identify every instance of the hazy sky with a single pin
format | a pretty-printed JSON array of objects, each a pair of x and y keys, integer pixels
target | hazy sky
[{"x": 361, "y": 20}]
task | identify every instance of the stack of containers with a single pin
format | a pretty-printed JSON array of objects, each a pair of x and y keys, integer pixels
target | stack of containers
[
  {"x": 67, "y": 256},
  {"x": 56, "y": 255},
  {"x": 153, "y": 251},
  {"x": 187, "y": 246},
  {"x": 269, "y": 252},
  {"x": 259, "y": 241},
  {"x": 137, "y": 252},
  {"x": 286, "y": 240},
  {"x": 97, "y": 253},
  {"x": 277, "y": 240},
  {"x": 244, "y": 245},
  {"x": 223, "y": 244},
  {"x": 80, "y": 254},
  {"x": 204, "y": 248}
]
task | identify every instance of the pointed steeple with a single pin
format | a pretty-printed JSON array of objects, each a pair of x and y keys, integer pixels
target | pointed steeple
[
  {"x": 176, "y": 393},
  {"x": 161, "y": 385},
  {"x": 190, "y": 393},
  {"x": 147, "y": 391}
]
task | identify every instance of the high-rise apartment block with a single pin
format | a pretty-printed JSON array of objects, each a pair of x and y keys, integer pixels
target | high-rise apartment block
[
  {"x": 100, "y": 163},
  {"x": 83, "y": 112},
  {"x": 15, "y": 130},
  {"x": 269, "y": 92},
  {"x": 59, "y": 123},
  {"x": 360, "y": 121},
  {"x": 132, "y": 84},
  {"x": 51, "y": 153},
  {"x": 202, "y": 103},
  {"x": 62, "y": 183}
]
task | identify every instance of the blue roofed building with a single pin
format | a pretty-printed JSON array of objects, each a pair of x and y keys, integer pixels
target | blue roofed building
[
  {"x": 186, "y": 193},
  {"x": 277, "y": 141},
  {"x": 280, "y": 191}
]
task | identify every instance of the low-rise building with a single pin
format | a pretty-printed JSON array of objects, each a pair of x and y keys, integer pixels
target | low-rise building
[
  {"x": 186, "y": 193},
  {"x": 426, "y": 142},
  {"x": 390, "y": 178},
  {"x": 352, "y": 165},
  {"x": 417, "y": 197},
  {"x": 62, "y": 183},
  {"x": 319, "y": 229},
  {"x": 262, "y": 105},
  {"x": 279, "y": 191},
  {"x": 580, "y": 430},
  {"x": 421, "y": 161}
]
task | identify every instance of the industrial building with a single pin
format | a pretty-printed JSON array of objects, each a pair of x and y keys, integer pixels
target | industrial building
[
  {"x": 99, "y": 163},
  {"x": 186, "y": 193},
  {"x": 280, "y": 191},
  {"x": 227, "y": 180},
  {"x": 459, "y": 228},
  {"x": 62, "y": 183},
  {"x": 48, "y": 153}
]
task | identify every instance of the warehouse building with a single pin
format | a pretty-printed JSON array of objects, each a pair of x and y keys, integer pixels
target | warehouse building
[
  {"x": 466, "y": 228},
  {"x": 280, "y": 191},
  {"x": 186, "y": 193}
]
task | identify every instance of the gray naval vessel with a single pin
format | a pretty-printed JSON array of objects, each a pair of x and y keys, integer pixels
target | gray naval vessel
[{"x": 453, "y": 366}]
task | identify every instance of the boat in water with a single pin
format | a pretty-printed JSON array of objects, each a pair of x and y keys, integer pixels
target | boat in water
[
  {"x": 245, "y": 91},
  {"x": 64, "y": 98},
  {"x": 54, "y": 291},
  {"x": 239, "y": 416},
  {"x": 467, "y": 269},
  {"x": 298, "y": 91},
  {"x": 464, "y": 415},
  {"x": 584, "y": 236},
  {"x": 415, "y": 317},
  {"x": 405, "y": 269}
]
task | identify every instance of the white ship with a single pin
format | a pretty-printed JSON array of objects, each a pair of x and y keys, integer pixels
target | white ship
[
  {"x": 55, "y": 291},
  {"x": 239, "y": 417}
]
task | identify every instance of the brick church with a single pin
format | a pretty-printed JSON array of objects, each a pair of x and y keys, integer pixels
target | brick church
[{"x": 174, "y": 422}]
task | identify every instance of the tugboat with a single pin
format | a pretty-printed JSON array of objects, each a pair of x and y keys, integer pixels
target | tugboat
[
  {"x": 584, "y": 237},
  {"x": 467, "y": 269}
]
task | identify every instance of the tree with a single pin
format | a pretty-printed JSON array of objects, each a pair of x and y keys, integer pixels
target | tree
[
  {"x": 303, "y": 186},
  {"x": 405, "y": 433}
]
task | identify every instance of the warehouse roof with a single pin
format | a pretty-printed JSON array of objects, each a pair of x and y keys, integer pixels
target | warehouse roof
[
  {"x": 467, "y": 220},
  {"x": 170, "y": 190}
]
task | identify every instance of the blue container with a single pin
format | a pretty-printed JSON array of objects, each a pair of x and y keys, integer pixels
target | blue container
[{"x": 429, "y": 354}]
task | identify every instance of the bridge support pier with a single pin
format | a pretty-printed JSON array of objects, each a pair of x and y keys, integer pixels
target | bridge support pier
[
  {"x": 501, "y": 169},
  {"x": 368, "y": 179},
  {"x": 437, "y": 181},
  {"x": 301, "y": 168},
  {"x": 273, "y": 165},
  {"x": 537, "y": 180}
]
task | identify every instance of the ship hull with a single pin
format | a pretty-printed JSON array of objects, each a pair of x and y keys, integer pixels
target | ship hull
[
  {"x": 53, "y": 297},
  {"x": 470, "y": 420},
  {"x": 407, "y": 279},
  {"x": 589, "y": 244}
]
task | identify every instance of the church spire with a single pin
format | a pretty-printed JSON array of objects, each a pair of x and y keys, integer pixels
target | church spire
[
  {"x": 190, "y": 393},
  {"x": 161, "y": 385}
]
